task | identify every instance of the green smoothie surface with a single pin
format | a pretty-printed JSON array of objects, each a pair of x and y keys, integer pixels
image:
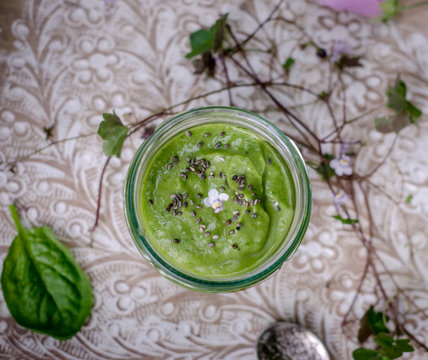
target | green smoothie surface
[{"x": 216, "y": 200}]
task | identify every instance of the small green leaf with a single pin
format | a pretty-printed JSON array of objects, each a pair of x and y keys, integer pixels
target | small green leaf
[
  {"x": 390, "y": 8},
  {"x": 345, "y": 221},
  {"x": 288, "y": 63},
  {"x": 403, "y": 345},
  {"x": 393, "y": 123},
  {"x": 384, "y": 340},
  {"x": 114, "y": 134},
  {"x": 414, "y": 112},
  {"x": 365, "y": 354},
  {"x": 200, "y": 41},
  {"x": 372, "y": 323},
  {"x": 409, "y": 199},
  {"x": 219, "y": 31},
  {"x": 204, "y": 40},
  {"x": 324, "y": 169},
  {"x": 348, "y": 61},
  {"x": 323, "y": 95},
  {"x": 397, "y": 96}
]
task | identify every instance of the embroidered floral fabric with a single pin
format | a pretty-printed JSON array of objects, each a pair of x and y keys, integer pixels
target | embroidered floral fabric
[{"x": 65, "y": 63}]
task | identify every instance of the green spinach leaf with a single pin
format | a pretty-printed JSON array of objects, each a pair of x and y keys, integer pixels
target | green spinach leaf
[{"x": 44, "y": 288}]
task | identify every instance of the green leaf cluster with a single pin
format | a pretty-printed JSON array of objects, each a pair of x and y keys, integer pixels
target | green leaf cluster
[
  {"x": 324, "y": 169},
  {"x": 405, "y": 112},
  {"x": 211, "y": 39},
  {"x": 114, "y": 134},
  {"x": 43, "y": 286},
  {"x": 388, "y": 348}
]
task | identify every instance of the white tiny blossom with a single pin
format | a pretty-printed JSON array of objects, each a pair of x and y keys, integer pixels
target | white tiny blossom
[
  {"x": 215, "y": 200},
  {"x": 342, "y": 166}
]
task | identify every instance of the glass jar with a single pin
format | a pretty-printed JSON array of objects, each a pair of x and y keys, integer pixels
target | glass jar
[{"x": 268, "y": 132}]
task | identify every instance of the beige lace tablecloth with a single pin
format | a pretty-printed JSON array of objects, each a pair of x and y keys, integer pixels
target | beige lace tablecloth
[{"x": 64, "y": 63}]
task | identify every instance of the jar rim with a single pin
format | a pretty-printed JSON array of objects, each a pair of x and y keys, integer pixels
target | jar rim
[{"x": 263, "y": 270}]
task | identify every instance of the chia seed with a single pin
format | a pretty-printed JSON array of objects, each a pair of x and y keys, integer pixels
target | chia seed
[
  {"x": 198, "y": 207},
  {"x": 184, "y": 176},
  {"x": 207, "y": 233},
  {"x": 191, "y": 202},
  {"x": 238, "y": 228},
  {"x": 247, "y": 211},
  {"x": 222, "y": 133},
  {"x": 198, "y": 221},
  {"x": 250, "y": 187},
  {"x": 193, "y": 213},
  {"x": 228, "y": 222},
  {"x": 198, "y": 196},
  {"x": 176, "y": 241},
  {"x": 179, "y": 213},
  {"x": 211, "y": 175},
  {"x": 172, "y": 196},
  {"x": 277, "y": 208},
  {"x": 270, "y": 161},
  {"x": 254, "y": 215},
  {"x": 231, "y": 232},
  {"x": 215, "y": 237},
  {"x": 151, "y": 201},
  {"x": 169, "y": 166},
  {"x": 211, "y": 244},
  {"x": 188, "y": 133},
  {"x": 185, "y": 195},
  {"x": 185, "y": 204},
  {"x": 217, "y": 145},
  {"x": 207, "y": 135},
  {"x": 200, "y": 143},
  {"x": 222, "y": 188},
  {"x": 226, "y": 146},
  {"x": 235, "y": 246}
]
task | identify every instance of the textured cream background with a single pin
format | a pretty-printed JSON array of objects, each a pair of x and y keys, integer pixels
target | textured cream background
[{"x": 66, "y": 62}]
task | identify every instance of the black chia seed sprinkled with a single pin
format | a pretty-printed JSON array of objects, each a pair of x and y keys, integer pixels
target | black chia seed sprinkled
[
  {"x": 254, "y": 215},
  {"x": 200, "y": 143},
  {"x": 169, "y": 166},
  {"x": 188, "y": 133},
  {"x": 198, "y": 221},
  {"x": 175, "y": 158},
  {"x": 247, "y": 211},
  {"x": 234, "y": 177},
  {"x": 188, "y": 160},
  {"x": 184, "y": 176},
  {"x": 193, "y": 213},
  {"x": 231, "y": 232},
  {"x": 222, "y": 133},
  {"x": 168, "y": 208},
  {"x": 238, "y": 228},
  {"x": 235, "y": 246},
  {"x": 191, "y": 202},
  {"x": 211, "y": 244},
  {"x": 176, "y": 241},
  {"x": 222, "y": 188},
  {"x": 179, "y": 213},
  {"x": 277, "y": 208},
  {"x": 239, "y": 224},
  {"x": 198, "y": 207},
  {"x": 217, "y": 145},
  {"x": 151, "y": 201},
  {"x": 207, "y": 134},
  {"x": 207, "y": 233},
  {"x": 185, "y": 195},
  {"x": 270, "y": 161},
  {"x": 212, "y": 175},
  {"x": 203, "y": 177},
  {"x": 228, "y": 222},
  {"x": 185, "y": 204},
  {"x": 215, "y": 237},
  {"x": 226, "y": 146},
  {"x": 236, "y": 212},
  {"x": 198, "y": 196},
  {"x": 172, "y": 196},
  {"x": 250, "y": 187}
]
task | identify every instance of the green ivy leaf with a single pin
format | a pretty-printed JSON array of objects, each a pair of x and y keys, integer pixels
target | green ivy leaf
[
  {"x": 390, "y": 8},
  {"x": 114, "y": 134},
  {"x": 409, "y": 199},
  {"x": 405, "y": 112},
  {"x": 391, "y": 348},
  {"x": 200, "y": 41},
  {"x": 372, "y": 323},
  {"x": 288, "y": 63},
  {"x": 345, "y": 221},
  {"x": 204, "y": 40},
  {"x": 219, "y": 31}
]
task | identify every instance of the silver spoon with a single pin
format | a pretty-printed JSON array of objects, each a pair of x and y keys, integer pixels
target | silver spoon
[{"x": 288, "y": 341}]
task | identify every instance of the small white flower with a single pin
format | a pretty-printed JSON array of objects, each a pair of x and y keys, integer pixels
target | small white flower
[
  {"x": 340, "y": 197},
  {"x": 342, "y": 166},
  {"x": 215, "y": 200}
]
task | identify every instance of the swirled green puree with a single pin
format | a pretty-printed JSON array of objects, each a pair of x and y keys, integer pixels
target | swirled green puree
[{"x": 216, "y": 200}]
